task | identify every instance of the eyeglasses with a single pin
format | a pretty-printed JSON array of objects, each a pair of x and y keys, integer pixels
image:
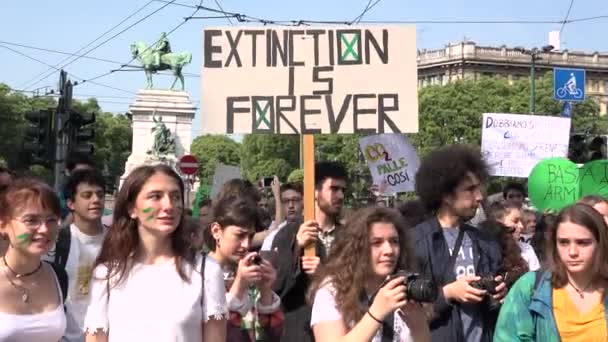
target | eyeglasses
[
  {"x": 291, "y": 200},
  {"x": 33, "y": 222}
]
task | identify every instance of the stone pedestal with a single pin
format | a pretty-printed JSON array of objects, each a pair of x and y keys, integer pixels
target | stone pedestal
[{"x": 176, "y": 111}]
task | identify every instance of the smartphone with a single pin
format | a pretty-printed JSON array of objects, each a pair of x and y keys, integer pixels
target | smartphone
[
  {"x": 270, "y": 256},
  {"x": 267, "y": 182}
]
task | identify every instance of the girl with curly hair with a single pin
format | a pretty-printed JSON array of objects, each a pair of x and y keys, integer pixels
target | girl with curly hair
[{"x": 373, "y": 247}]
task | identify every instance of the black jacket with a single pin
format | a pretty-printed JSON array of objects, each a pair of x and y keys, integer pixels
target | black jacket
[
  {"x": 292, "y": 284},
  {"x": 432, "y": 253}
]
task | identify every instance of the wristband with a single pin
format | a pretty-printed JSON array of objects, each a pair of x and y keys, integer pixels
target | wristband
[{"x": 373, "y": 317}]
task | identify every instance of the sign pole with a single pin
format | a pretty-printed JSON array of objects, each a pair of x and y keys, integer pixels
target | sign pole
[{"x": 308, "y": 149}]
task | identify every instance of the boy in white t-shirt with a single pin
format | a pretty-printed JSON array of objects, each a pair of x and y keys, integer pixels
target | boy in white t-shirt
[{"x": 79, "y": 244}]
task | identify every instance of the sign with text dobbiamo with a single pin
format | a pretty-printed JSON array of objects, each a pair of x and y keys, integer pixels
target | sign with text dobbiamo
[
  {"x": 512, "y": 144},
  {"x": 392, "y": 161},
  {"x": 309, "y": 80}
]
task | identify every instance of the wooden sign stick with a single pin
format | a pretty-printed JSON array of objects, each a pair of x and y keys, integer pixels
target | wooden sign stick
[{"x": 308, "y": 150}]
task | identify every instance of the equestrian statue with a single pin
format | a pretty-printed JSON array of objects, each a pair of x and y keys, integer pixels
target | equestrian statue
[{"x": 160, "y": 57}]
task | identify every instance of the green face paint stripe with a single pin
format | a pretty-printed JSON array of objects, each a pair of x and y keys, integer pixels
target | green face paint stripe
[
  {"x": 23, "y": 238},
  {"x": 147, "y": 210},
  {"x": 149, "y": 217}
]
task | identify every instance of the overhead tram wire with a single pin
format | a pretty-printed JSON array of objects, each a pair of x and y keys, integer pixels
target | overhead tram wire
[
  {"x": 109, "y": 39},
  {"x": 566, "y": 18},
  {"x": 58, "y": 52},
  {"x": 368, "y": 7},
  {"x": 93, "y": 41},
  {"x": 91, "y": 80},
  {"x": 220, "y": 7}
]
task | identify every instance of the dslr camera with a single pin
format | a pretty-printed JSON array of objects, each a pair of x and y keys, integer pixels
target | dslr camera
[
  {"x": 419, "y": 289},
  {"x": 488, "y": 284}
]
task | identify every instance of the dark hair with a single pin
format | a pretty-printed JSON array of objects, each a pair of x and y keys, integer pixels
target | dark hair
[
  {"x": 76, "y": 158},
  {"x": 25, "y": 191},
  {"x": 593, "y": 200},
  {"x": 513, "y": 186},
  {"x": 294, "y": 186},
  {"x": 348, "y": 264},
  {"x": 444, "y": 169},
  {"x": 499, "y": 210},
  {"x": 514, "y": 265},
  {"x": 329, "y": 169},
  {"x": 414, "y": 212},
  {"x": 122, "y": 239},
  {"x": 231, "y": 212},
  {"x": 90, "y": 177},
  {"x": 238, "y": 188},
  {"x": 583, "y": 215},
  {"x": 539, "y": 239}
]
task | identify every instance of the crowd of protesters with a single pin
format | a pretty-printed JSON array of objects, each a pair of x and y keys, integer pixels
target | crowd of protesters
[{"x": 446, "y": 266}]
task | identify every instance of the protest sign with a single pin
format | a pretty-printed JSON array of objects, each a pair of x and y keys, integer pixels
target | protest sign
[
  {"x": 594, "y": 178},
  {"x": 223, "y": 173},
  {"x": 309, "y": 80},
  {"x": 554, "y": 184},
  {"x": 392, "y": 161},
  {"x": 513, "y": 143}
]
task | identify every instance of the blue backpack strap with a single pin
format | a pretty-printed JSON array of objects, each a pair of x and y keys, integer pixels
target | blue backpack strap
[{"x": 538, "y": 276}]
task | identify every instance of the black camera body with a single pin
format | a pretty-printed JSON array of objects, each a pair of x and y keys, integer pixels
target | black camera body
[
  {"x": 486, "y": 283},
  {"x": 256, "y": 260},
  {"x": 419, "y": 289}
]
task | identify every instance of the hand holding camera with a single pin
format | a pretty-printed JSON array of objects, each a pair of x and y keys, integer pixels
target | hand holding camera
[{"x": 390, "y": 297}]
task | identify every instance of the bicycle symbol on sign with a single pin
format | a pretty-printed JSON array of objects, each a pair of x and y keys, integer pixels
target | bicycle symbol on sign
[{"x": 570, "y": 89}]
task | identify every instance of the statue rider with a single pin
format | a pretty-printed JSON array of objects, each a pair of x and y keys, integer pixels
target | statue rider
[{"x": 162, "y": 47}]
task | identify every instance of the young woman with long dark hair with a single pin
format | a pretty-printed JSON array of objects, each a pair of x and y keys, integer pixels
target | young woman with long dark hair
[
  {"x": 147, "y": 282},
  {"x": 568, "y": 301},
  {"x": 373, "y": 247},
  {"x": 31, "y": 300}
]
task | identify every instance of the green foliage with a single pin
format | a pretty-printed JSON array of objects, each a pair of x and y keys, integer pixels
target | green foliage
[
  {"x": 269, "y": 155},
  {"x": 211, "y": 150},
  {"x": 296, "y": 176}
]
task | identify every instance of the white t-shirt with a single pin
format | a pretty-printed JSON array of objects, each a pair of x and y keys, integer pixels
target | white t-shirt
[
  {"x": 79, "y": 264},
  {"x": 267, "y": 244},
  {"x": 154, "y": 304},
  {"x": 43, "y": 327},
  {"x": 324, "y": 309},
  {"x": 527, "y": 252}
]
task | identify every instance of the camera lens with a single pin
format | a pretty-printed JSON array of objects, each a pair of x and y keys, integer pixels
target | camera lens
[{"x": 422, "y": 290}]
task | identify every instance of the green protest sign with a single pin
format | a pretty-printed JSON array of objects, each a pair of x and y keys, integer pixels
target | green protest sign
[
  {"x": 554, "y": 184},
  {"x": 594, "y": 178}
]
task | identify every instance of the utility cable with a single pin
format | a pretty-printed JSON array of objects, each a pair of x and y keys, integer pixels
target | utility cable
[{"x": 566, "y": 18}]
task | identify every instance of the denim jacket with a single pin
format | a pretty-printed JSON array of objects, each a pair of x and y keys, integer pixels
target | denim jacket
[{"x": 527, "y": 314}]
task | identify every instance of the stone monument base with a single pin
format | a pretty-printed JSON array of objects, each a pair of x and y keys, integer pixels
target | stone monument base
[{"x": 176, "y": 111}]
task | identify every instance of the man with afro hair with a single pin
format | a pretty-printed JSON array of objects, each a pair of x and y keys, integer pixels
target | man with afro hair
[{"x": 450, "y": 184}]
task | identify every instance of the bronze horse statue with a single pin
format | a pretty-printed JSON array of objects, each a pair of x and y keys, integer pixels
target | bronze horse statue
[{"x": 173, "y": 61}]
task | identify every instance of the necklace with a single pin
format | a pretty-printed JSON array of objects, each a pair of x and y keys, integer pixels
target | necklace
[
  {"x": 581, "y": 292},
  {"x": 18, "y": 275},
  {"x": 25, "y": 296}
]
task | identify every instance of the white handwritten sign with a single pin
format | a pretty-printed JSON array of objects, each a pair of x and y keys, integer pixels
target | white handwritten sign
[
  {"x": 223, "y": 173},
  {"x": 309, "y": 80},
  {"x": 392, "y": 161},
  {"x": 512, "y": 144}
]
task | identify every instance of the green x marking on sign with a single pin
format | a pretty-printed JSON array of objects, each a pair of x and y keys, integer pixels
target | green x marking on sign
[
  {"x": 262, "y": 114},
  {"x": 350, "y": 46}
]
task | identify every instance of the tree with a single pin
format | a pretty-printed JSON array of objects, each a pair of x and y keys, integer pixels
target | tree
[
  {"x": 269, "y": 155},
  {"x": 211, "y": 150}
]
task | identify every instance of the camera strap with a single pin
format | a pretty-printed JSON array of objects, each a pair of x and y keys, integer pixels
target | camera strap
[
  {"x": 456, "y": 248},
  {"x": 388, "y": 328}
]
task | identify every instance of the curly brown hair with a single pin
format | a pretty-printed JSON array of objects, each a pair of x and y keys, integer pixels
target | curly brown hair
[
  {"x": 514, "y": 266},
  {"x": 349, "y": 263}
]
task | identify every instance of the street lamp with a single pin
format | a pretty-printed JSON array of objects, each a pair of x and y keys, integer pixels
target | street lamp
[{"x": 534, "y": 55}]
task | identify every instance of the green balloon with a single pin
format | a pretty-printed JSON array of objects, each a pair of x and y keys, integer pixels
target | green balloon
[
  {"x": 554, "y": 184},
  {"x": 594, "y": 178}
]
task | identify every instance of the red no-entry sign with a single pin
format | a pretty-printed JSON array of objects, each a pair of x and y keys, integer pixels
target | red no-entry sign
[{"x": 188, "y": 164}]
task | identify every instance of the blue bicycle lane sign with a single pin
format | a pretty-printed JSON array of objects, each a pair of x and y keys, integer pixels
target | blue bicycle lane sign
[{"x": 569, "y": 84}]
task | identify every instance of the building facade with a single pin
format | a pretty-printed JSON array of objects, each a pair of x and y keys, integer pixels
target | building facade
[{"x": 469, "y": 61}]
